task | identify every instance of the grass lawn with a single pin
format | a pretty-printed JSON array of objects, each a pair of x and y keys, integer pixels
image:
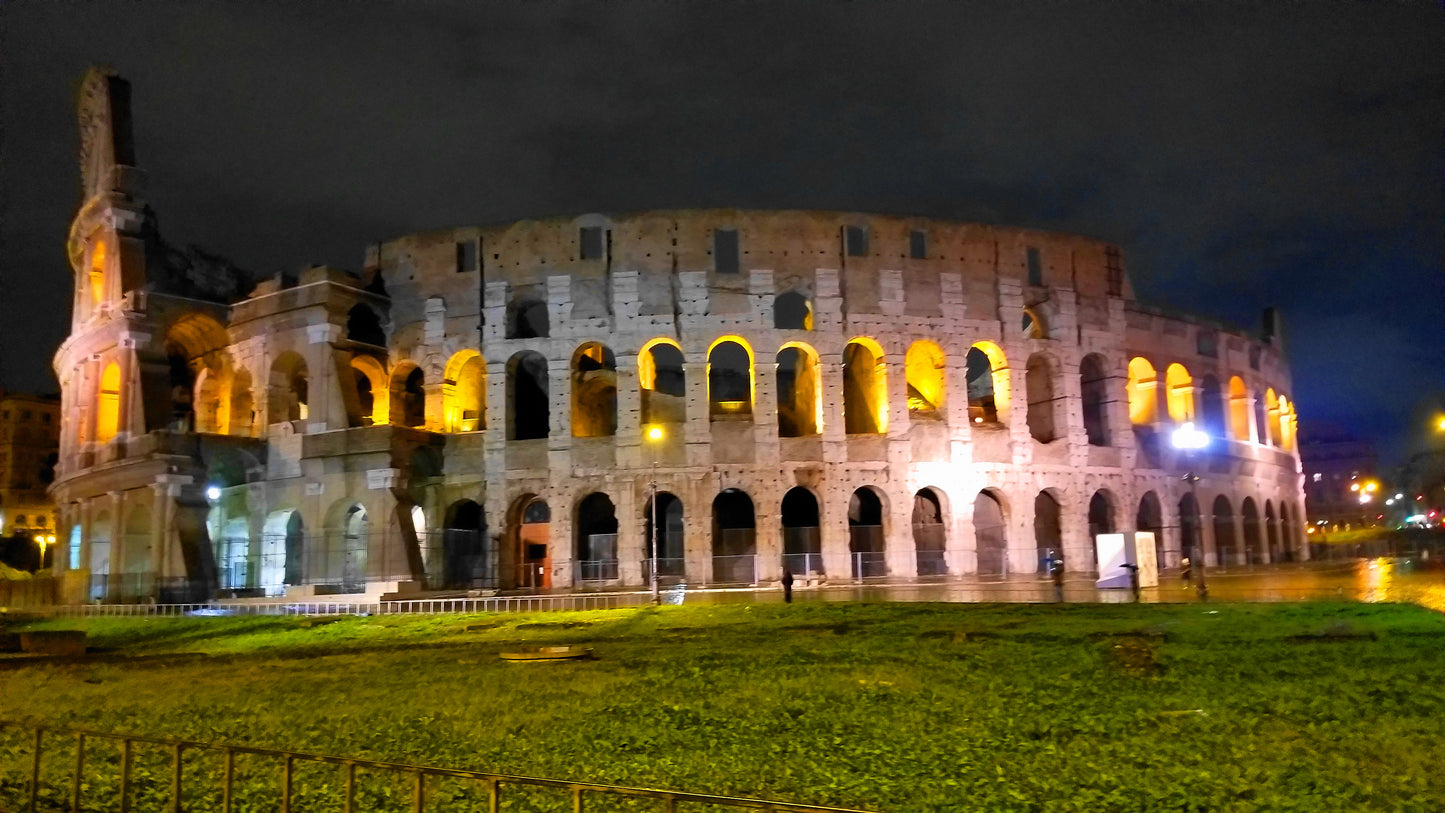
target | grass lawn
[{"x": 889, "y": 707}]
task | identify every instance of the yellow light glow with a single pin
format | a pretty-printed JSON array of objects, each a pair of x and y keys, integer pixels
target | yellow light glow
[
  {"x": 1143, "y": 381},
  {"x": 107, "y": 415},
  {"x": 1354, "y": 486},
  {"x": 654, "y": 433},
  {"x": 1179, "y": 392}
]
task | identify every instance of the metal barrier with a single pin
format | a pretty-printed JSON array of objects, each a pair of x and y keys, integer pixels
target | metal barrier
[
  {"x": 229, "y": 784},
  {"x": 490, "y": 604}
]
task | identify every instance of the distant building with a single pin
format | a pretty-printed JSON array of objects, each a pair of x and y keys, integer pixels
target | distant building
[
  {"x": 1337, "y": 467},
  {"x": 29, "y": 440}
]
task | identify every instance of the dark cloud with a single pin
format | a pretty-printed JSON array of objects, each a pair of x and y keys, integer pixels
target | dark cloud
[{"x": 1244, "y": 154}]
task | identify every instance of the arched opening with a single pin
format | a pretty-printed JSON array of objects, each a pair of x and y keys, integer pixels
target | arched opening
[
  {"x": 363, "y": 325},
  {"x": 990, "y": 532},
  {"x": 930, "y": 533},
  {"x": 1190, "y": 529},
  {"x": 1179, "y": 389},
  {"x": 211, "y": 401},
  {"x": 1143, "y": 392},
  {"x": 355, "y": 538},
  {"x": 792, "y": 311},
  {"x": 1095, "y": 393},
  {"x": 1211, "y": 407},
  {"x": 238, "y": 571},
  {"x": 865, "y": 388},
  {"x": 408, "y": 395},
  {"x": 670, "y": 556},
  {"x": 464, "y": 393},
  {"x": 182, "y": 383},
  {"x": 1032, "y": 326},
  {"x": 107, "y": 408},
  {"x": 1150, "y": 519},
  {"x": 100, "y": 535},
  {"x": 1101, "y": 514},
  {"x": 800, "y": 392},
  {"x": 1271, "y": 532},
  {"x": 282, "y": 551},
  {"x": 988, "y": 384},
  {"x": 596, "y": 529},
  {"x": 528, "y": 408},
  {"x": 72, "y": 552},
  {"x": 1271, "y": 422},
  {"x": 1239, "y": 427},
  {"x": 734, "y": 538},
  {"x": 527, "y": 319},
  {"x": 243, "y": 404},
  {"x": 865, "y": 534},
  {"x": 802, "y": 543},
  {"x": 366, "y": 391},
  {"x": 1226, "y": 547},
  {"x": 730, "y": 381},
  {"x": 464, "y": 560},
  {"x": 663, "y": 381},
  {"x": 136, "y": 548},
  {"x": 1286, "y": 424},
  {"x": 594, "y": 392},
  {"x": 1253, "y": 537},
  {"x": 97, "y": 273},
  {"x": 288, "y": 395},
  {"x": 1043, "y": 405},
  {"x": 924, "y": 368},
  {"x": 534, "y": 531},
  {"x": 1048, "y": 528},
  {"x": 1290, "y": 530}
]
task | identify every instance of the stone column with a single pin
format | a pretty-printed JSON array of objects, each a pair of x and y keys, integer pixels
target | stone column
[{"x": 699, "y": 426}]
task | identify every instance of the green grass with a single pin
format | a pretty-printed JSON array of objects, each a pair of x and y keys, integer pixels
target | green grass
[{"x": 889, "y": 707}]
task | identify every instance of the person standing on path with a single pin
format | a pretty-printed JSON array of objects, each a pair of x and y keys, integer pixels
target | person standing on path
[{"x": 787, "y": 586}]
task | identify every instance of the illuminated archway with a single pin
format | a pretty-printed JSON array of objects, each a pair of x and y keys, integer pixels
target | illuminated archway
[
  {"x": 408, "y": 395},
  {"x": 464, "y": 393},
  {"x": 594, "y": 391},
  {"x": 924, "y": 369},
  {"x": 1272, "y": 412},
  {"x": 107, "y": 407},
  {"x": 1143, "y": 392},
  {"x": 730, "y": 379},
  {"x": 288, "y": 390},
  {"x": 1286, "y": 424},
  {"x": 373, "y": 393},
  {"x": 800, "y": 391},
  {"x": 990, "y": 531},
  {"x": 663, "y": 381},
  {"x": 528, "y": 407},
  {"x": 97, "y": 273},
  {"x": 865, "y": 388},
  {"x": 988, "y": 384},
  {"x": 1179, "y": 388},
  {"x": 1239, "y": 410},
  {"x": 792, "y": 311}
]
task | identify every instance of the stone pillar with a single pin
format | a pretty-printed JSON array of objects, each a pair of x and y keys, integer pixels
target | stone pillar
[
  {"x": 901, "y": 550},
  {"x": 559, "y": 396},
  {"x": 629, "y": 439},
  {"x": 765, "y": 410},
  {"x": 631, "y": 512},
  {"x": 769, "y": 520},
  {"x": 325, "y": 408},
  {"x": 560, "y": 545},
  {"x": 131, "y": 419},
  {"x": 699, "y": 427}
]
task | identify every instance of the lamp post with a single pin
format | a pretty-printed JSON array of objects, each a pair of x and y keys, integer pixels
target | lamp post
[
  {"x": 654, "y": 434},
  {"x": 1191, "y": 441}
]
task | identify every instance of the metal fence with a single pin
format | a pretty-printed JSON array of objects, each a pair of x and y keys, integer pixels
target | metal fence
[{"x": 55, "y": 768}]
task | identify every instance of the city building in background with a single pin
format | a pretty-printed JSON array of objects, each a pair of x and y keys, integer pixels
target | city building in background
[
  {"x": 571, "y": 403},
  {"x": 1343, "y": 485},
  {"x": 29, "y": 440}
]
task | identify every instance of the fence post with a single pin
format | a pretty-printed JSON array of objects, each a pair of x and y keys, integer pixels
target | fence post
[
  {"x": 576, "y": 800},
  {"x": 350, "y": 803},
  {"x": 419, "y": 799},
  {"x": 125, "y": 775},
  {"x": 79, "y": 771},
  {"x": 176, "y": 782},
  {"x": 227, "y": 780},
  {"x": 494, "y": 796},
  {"x": 35, "y": 770},
  {"x": 286, "y": 784}
]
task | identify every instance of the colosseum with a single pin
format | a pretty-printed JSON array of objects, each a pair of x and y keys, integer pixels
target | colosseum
[{"x": 575, "y": 402}]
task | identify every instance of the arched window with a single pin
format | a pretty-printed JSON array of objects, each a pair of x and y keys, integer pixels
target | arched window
[
  {"x": 363, "y": 325},
  {"x": 288, "y": 396},
  {"x": 1150, "y": 519},
  {"x": 1143, "y": 392},
  {"x": 1033, "y": 326},
  {"x": 930, "y": 533},
  {"x": 663, "y": 381},
  {"x": 1048, "y": 527},
  {"x": 734, "y": 538},
  {"x": 1179, "y": 387},
  {"x": 730, "y": 380},
  {"x": 1101, "y": 514},
  {"x": 528, "y": 409},
  {"x": 527, "y": 319},
  {"x": 865, "y": 534},
  {"x": 792, "y": 311},
  {"x": 865, "y": 388},
  {"x": 1043, "y": 404},
  {"x": 97, "y": 273},
  {"x": 1211, "y": 407},
  {"x": 1272, "y": 412},
  {"x": 800, "y": 392},
  {"x": 990, "y": 531},
  {"x": 924, "y": 368},
  {"x": 464, "y": 393},
  {"x": 373, "y": 395},
  {"x": 1095, "y": 393},
  {"x": 1239, "y": 428},
  {"x": 1226, "y": 546},
  {"x": 408, "y": 395},
  {"x": 802, "y": 543},
  {"x": 596, "y": 538},
  {"x": 594, "y": 392},
  {"x": 988, "y": 384},
  {"x": 107, "y": 408},
  {"x": 1286, "y": 424}
]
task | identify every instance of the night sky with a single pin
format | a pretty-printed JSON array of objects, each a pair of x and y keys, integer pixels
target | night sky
[{"x": 1243, "y": 154}]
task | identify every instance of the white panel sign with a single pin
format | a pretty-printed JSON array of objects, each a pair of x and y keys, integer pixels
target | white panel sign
[
  {"x": 1112, "y": 558},
  {"x": 1144, "y": 557}
]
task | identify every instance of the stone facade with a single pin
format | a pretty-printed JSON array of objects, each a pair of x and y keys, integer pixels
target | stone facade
[
  {"x": 846, "y": 395},
  {"x": 29, "y": 434}
]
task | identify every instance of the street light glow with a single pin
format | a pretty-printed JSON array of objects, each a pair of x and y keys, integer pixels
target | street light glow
[
  {"x": 1188, "y": 437},
  {"x": 654, "y": 433},
  {"x": 213, "y": 492}
]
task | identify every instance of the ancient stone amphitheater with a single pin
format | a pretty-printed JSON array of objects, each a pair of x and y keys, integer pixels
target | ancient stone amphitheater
[{"x": 528, "y": 406}]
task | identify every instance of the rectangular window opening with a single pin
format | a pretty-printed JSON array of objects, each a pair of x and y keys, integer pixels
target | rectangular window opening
[
  {"x": 918, "y": 245},
  {"x": 725, "y": 251},
  {"x": 1036, "y": 267},
  {"x": 468, "y": 256},
  {"x": 855, "y": 241},
  {"x": 591, "y": 242},
  {"x": 1114, "y": 271}
]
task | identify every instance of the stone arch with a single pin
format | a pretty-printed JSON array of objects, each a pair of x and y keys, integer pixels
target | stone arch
[
  {"x": 1143, "y": 391},
  {"x": 408, "y": 394},
  {"x": 1191, "y": 539},
  {"x": 342, "y": 561},
  {"x": 734, "y": 538},
  {"x": 465, "y": 560},
  {"x": 529, "y": 521},
  {"x": 373, "y": 392},
  {"x": 662, "y": 379},
  {"x": 1271, "y": 533},
  {"x": 1032, "y": 325},
  {"x": 97, "y": 273},
  {"x": 669, "y": 533},
  {"x": 100, "y": 564},
  {"x": 1226, "y": 546},
  {"x": 1048, "y": 526},
  {"x": 1239, "y": 428},
  {"x": 364, "y": 326},
  {"x": 195, "y": 342},
  {"x": 988, "y": 384},
  {"x": 1103, "y": 516},
  {"x": 1041, "y": 387},
  {"x": 464, "y": 392},
  {"x": 595, "y": 529},
  {"x": 211, "y": 402},
  {"x": 136, "y": 544},
  {"x": 925, "y": 370},
  {"x": 594, "y": 391},
  {"x": 865, "y": 388},
  {"x": 800, "y": 391},
  {"x": 730, "y": 379},
  {"x": 1150, "y": 519},
  {"x": 288, "y": 394},
  {"x": 243, "y": 404},
  {"x": 867, "y": 508},
  {"x": 1286, "y": 424},
  {"x": 528, "y": 406},
  {"x": 1271, "y": 407},
  {"x": 283, "y": 550},
  {"x": 792, "y": 310},
  {"x": 527, "y": 318},
  {"x": 930, "y": 531},
  {"x": 802, "y": 540},
  {"x": 990, "y": 530},
  {"x": 1096, "y": 397},
  {"x": 1211, "y": 407},
  {"x": 107, "y": 407},
  {"x": 1254, "y": 553},
  {"x": 1179, "y": 392}
]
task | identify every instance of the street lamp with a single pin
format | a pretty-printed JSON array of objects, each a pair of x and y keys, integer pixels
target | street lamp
[
  {"x": 654, "y": 434},
  {"x": 1191, "y": 441}
]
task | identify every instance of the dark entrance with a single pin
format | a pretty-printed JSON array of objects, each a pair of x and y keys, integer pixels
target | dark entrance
[
  {"x": 802, "y": 544},
  {"x": 734, "y": 538},
  {"x": 865, "y": 534}
]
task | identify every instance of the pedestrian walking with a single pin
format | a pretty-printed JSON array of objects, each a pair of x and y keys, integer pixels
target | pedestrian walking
[
  {"x": 787, "y": 585},
  {"x": 1056, "y": 572},
  {"x": 1185, "y": 574}
]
